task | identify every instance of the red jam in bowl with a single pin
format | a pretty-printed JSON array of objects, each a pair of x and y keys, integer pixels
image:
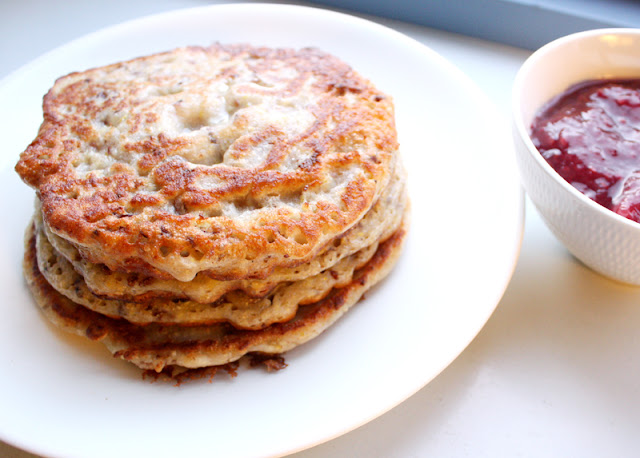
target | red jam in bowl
[{"x": 590, "y": 135}]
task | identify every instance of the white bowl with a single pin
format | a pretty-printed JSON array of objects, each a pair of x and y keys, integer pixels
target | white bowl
[{"x": 600, "y": 238}]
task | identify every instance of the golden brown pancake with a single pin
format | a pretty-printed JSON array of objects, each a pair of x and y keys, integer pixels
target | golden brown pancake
[
  {"x": 230, "y": 159},
  {"x": 205, "y": 203}
]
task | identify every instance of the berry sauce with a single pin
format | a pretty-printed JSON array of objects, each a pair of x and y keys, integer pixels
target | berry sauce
[{"x": 590, "y": 135}]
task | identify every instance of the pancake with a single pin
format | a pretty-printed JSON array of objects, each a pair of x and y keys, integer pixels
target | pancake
[
  {"x": 378, "y": 223},
  {"x": 206, "y": 203},
  {"x": 156, "y": 347},
  {"x": 235, "y": 307},
  {"x": 231, "y": 159}
]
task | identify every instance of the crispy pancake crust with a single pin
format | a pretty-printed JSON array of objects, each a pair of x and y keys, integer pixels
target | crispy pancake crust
[
  {"x": 156, "y": 346},
  {"x": 233, "y": 159}
]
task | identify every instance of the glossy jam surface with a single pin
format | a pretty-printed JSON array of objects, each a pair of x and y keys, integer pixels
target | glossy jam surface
[{"x": 591, "y": 136}]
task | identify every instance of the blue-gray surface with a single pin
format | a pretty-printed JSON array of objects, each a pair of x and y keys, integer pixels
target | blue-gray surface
[{"x": 526, "y": 24}]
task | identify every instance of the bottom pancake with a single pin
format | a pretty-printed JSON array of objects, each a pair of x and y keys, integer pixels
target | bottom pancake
[{"x": 155, "y": 346}]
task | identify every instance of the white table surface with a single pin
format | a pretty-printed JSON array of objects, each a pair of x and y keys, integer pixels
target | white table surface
[{"x": 554, "y": 371}]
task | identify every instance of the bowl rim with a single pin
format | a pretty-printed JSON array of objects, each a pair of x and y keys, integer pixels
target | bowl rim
[{"x": 523, "y": 131}]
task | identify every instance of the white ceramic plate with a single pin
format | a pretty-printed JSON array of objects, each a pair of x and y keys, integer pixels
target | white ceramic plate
[{"x": 62, "y": 395}]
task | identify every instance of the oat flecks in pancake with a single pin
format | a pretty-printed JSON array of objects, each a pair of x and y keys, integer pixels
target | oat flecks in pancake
[
  {"x": 233, "y": 159},
  {"x": 155, "y": 346}
]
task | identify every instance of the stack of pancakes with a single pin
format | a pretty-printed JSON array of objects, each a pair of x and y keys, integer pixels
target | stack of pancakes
[{"x": 202, "y": 204}]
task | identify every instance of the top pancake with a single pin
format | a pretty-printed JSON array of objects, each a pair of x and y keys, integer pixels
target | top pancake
[{"x": 230, "y": 159}]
